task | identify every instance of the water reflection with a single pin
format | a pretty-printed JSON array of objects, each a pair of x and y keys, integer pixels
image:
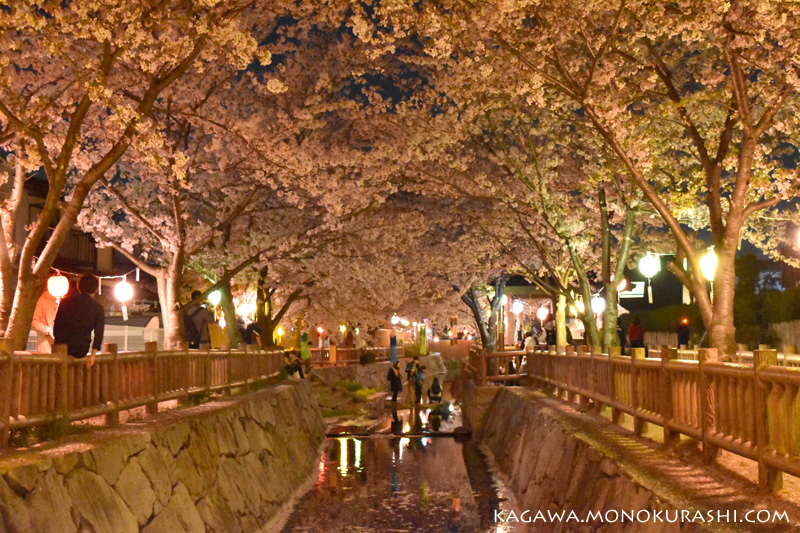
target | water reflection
[{"x": 386, "y": 483}]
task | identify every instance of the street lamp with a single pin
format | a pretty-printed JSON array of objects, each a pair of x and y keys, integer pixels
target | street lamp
[
  {"x": 598, "y": 305},
  {"x": 517, "y": 307},
  {"x": 214, "y": 298},
  {"x": 649, "y": 266},
  {"x": 708, "y": 266}
]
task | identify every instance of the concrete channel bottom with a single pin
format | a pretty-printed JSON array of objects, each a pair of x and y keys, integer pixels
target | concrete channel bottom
[{"x": 416, "y": 470}]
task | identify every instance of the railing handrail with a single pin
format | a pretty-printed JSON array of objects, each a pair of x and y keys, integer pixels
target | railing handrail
[
  {"x": 39, "y": 388},
  {"x": 749, "y": 409}
]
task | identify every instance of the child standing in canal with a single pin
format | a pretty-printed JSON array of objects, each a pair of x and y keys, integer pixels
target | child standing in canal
[{"x": 395, "y": 381}]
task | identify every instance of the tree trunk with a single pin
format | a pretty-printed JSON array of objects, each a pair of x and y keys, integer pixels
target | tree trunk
[
  {"x": 29, "y": 289},
  {"x": 722, "y": 332},
  {"x": 561, "y": 320},
  {"x": 229, "y": 312},
  {"x": 168, "y": 281},
  {"x": 610, "y": 317}
]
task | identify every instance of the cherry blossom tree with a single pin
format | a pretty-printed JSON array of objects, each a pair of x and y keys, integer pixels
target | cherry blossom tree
[
  {"x": 79, "y": 83},
  {"x": 697, "y": 102}
]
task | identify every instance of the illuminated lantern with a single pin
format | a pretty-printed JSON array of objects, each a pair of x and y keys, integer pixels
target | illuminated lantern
[
  {"x": 123, "y": 291},
  {"x": 342, "y": 328},
  {"x": 58, "y": 286},
  {"x": 649, "y": 266},
  {"x": 320, "y": 330},
  {"x": 542, "y": 313},
  {"x": 517, "y": 307}
]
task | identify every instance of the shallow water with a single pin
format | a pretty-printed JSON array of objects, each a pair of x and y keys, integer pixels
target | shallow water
[{"x": 394, "y": 483}]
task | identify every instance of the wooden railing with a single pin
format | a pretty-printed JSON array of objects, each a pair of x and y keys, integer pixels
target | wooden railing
[
  {"x": 349, "y": 356},
  {"x": 38, "y": 388},
  {"x": 752, "y": 410}
]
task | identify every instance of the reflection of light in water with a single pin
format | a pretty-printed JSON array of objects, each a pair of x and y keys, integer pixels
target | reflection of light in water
[
  {"x": 321, "y": 468},
  {"x": 358, "y": 453},
  {"x": 423, "y": 441},
  {"x": 403, "y": 443},
  {"x": 343, "y": 456},
  {"x": 423, "y": 416},
  {"x": 430, "y": 441}
]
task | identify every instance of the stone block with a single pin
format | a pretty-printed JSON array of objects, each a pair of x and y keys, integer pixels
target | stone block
[
  {"x": 22, "y": 479},
  {"x": 152, "y": 465},
  {"x": 15, "y": 516},
  {"x": 51, "y": 501},
  {"x": 189, "y": 475},
  {"x": 179, "y": 516},
  {"x": 98, "y": 504},
  {"x": 135, "y": 489}
]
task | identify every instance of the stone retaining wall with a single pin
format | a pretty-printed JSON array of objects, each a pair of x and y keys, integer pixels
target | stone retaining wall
[
  {"x": 373, "y": 375},
  {"x": 223, "y": 466},
  {"x": 550, "y": 466}
]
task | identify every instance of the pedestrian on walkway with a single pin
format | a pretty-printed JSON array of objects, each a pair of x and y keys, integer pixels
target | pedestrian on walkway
[
  {"x": 195, "y": 321},
  {"x": 636, "y": 334},
  {"x": 78, "y": 316},
  {"x": 44, "y": 317},
  {"x": 395, "y": 381}
]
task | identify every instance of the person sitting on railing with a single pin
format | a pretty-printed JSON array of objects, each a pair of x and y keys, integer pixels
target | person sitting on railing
[
  {"x": 435, "y": 392},
  {"x": 294, "y": 364},
  {"x": 77, "y": 317}
]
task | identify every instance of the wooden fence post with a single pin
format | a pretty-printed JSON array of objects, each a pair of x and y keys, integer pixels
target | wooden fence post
[
  {"x": 6, "y": 376},
  {"x": 62, "y": 398},
  {"x": 112, "y": 418},
  {"x": 639, "y": 424},
  {"x": 671, "y": 437},
  {"x": 616, "y": 414},
  {"x": 185, "y": 379},
  {"x": 769, "y": 479},
  {"x": 708, "y": 415},
  {"x": 229, "y": 378},
  {"x": 155, "y": 377}
]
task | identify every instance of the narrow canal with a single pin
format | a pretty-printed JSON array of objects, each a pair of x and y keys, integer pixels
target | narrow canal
[{"x": 414, "y": 473}]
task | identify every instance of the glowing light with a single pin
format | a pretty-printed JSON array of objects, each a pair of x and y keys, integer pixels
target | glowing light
[
  {"x": 436, "y": 339},
  {"x": 517, "y": 307},
  {"x": 708, "y": 264},
  {"x": 504, "y": 300},
  {"x": 343, "y": 456},
  {"x": 405, "y": 322},
  {"x": 358, "y": 454},
  {"x": 214, "y": 298},
  {"x": 580, "y": 306},
  {"x": 622, "y": 285},
  {"x": 320, "y": 330},
  {"x": 649, "y": 265},
  {"x": 342, "y": 328},
  {"x": 279, "y": 331},
  {"x": 356, "y": 331},
  {"x": 222, "y": 322},
  {"x": 685, "y": 321},
  {"x": 123, "y": 291},
  {"x": 58, "y": 286},
  {"x": 395, "y": 320},
  {"x": 598, "y": 305},
  {"x": 542, "y": 313}
]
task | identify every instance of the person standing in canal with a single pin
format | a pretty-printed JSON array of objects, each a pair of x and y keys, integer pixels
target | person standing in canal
[
  {"x": 418, "y": 378},
  {"x": 395, "y": 381}
]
